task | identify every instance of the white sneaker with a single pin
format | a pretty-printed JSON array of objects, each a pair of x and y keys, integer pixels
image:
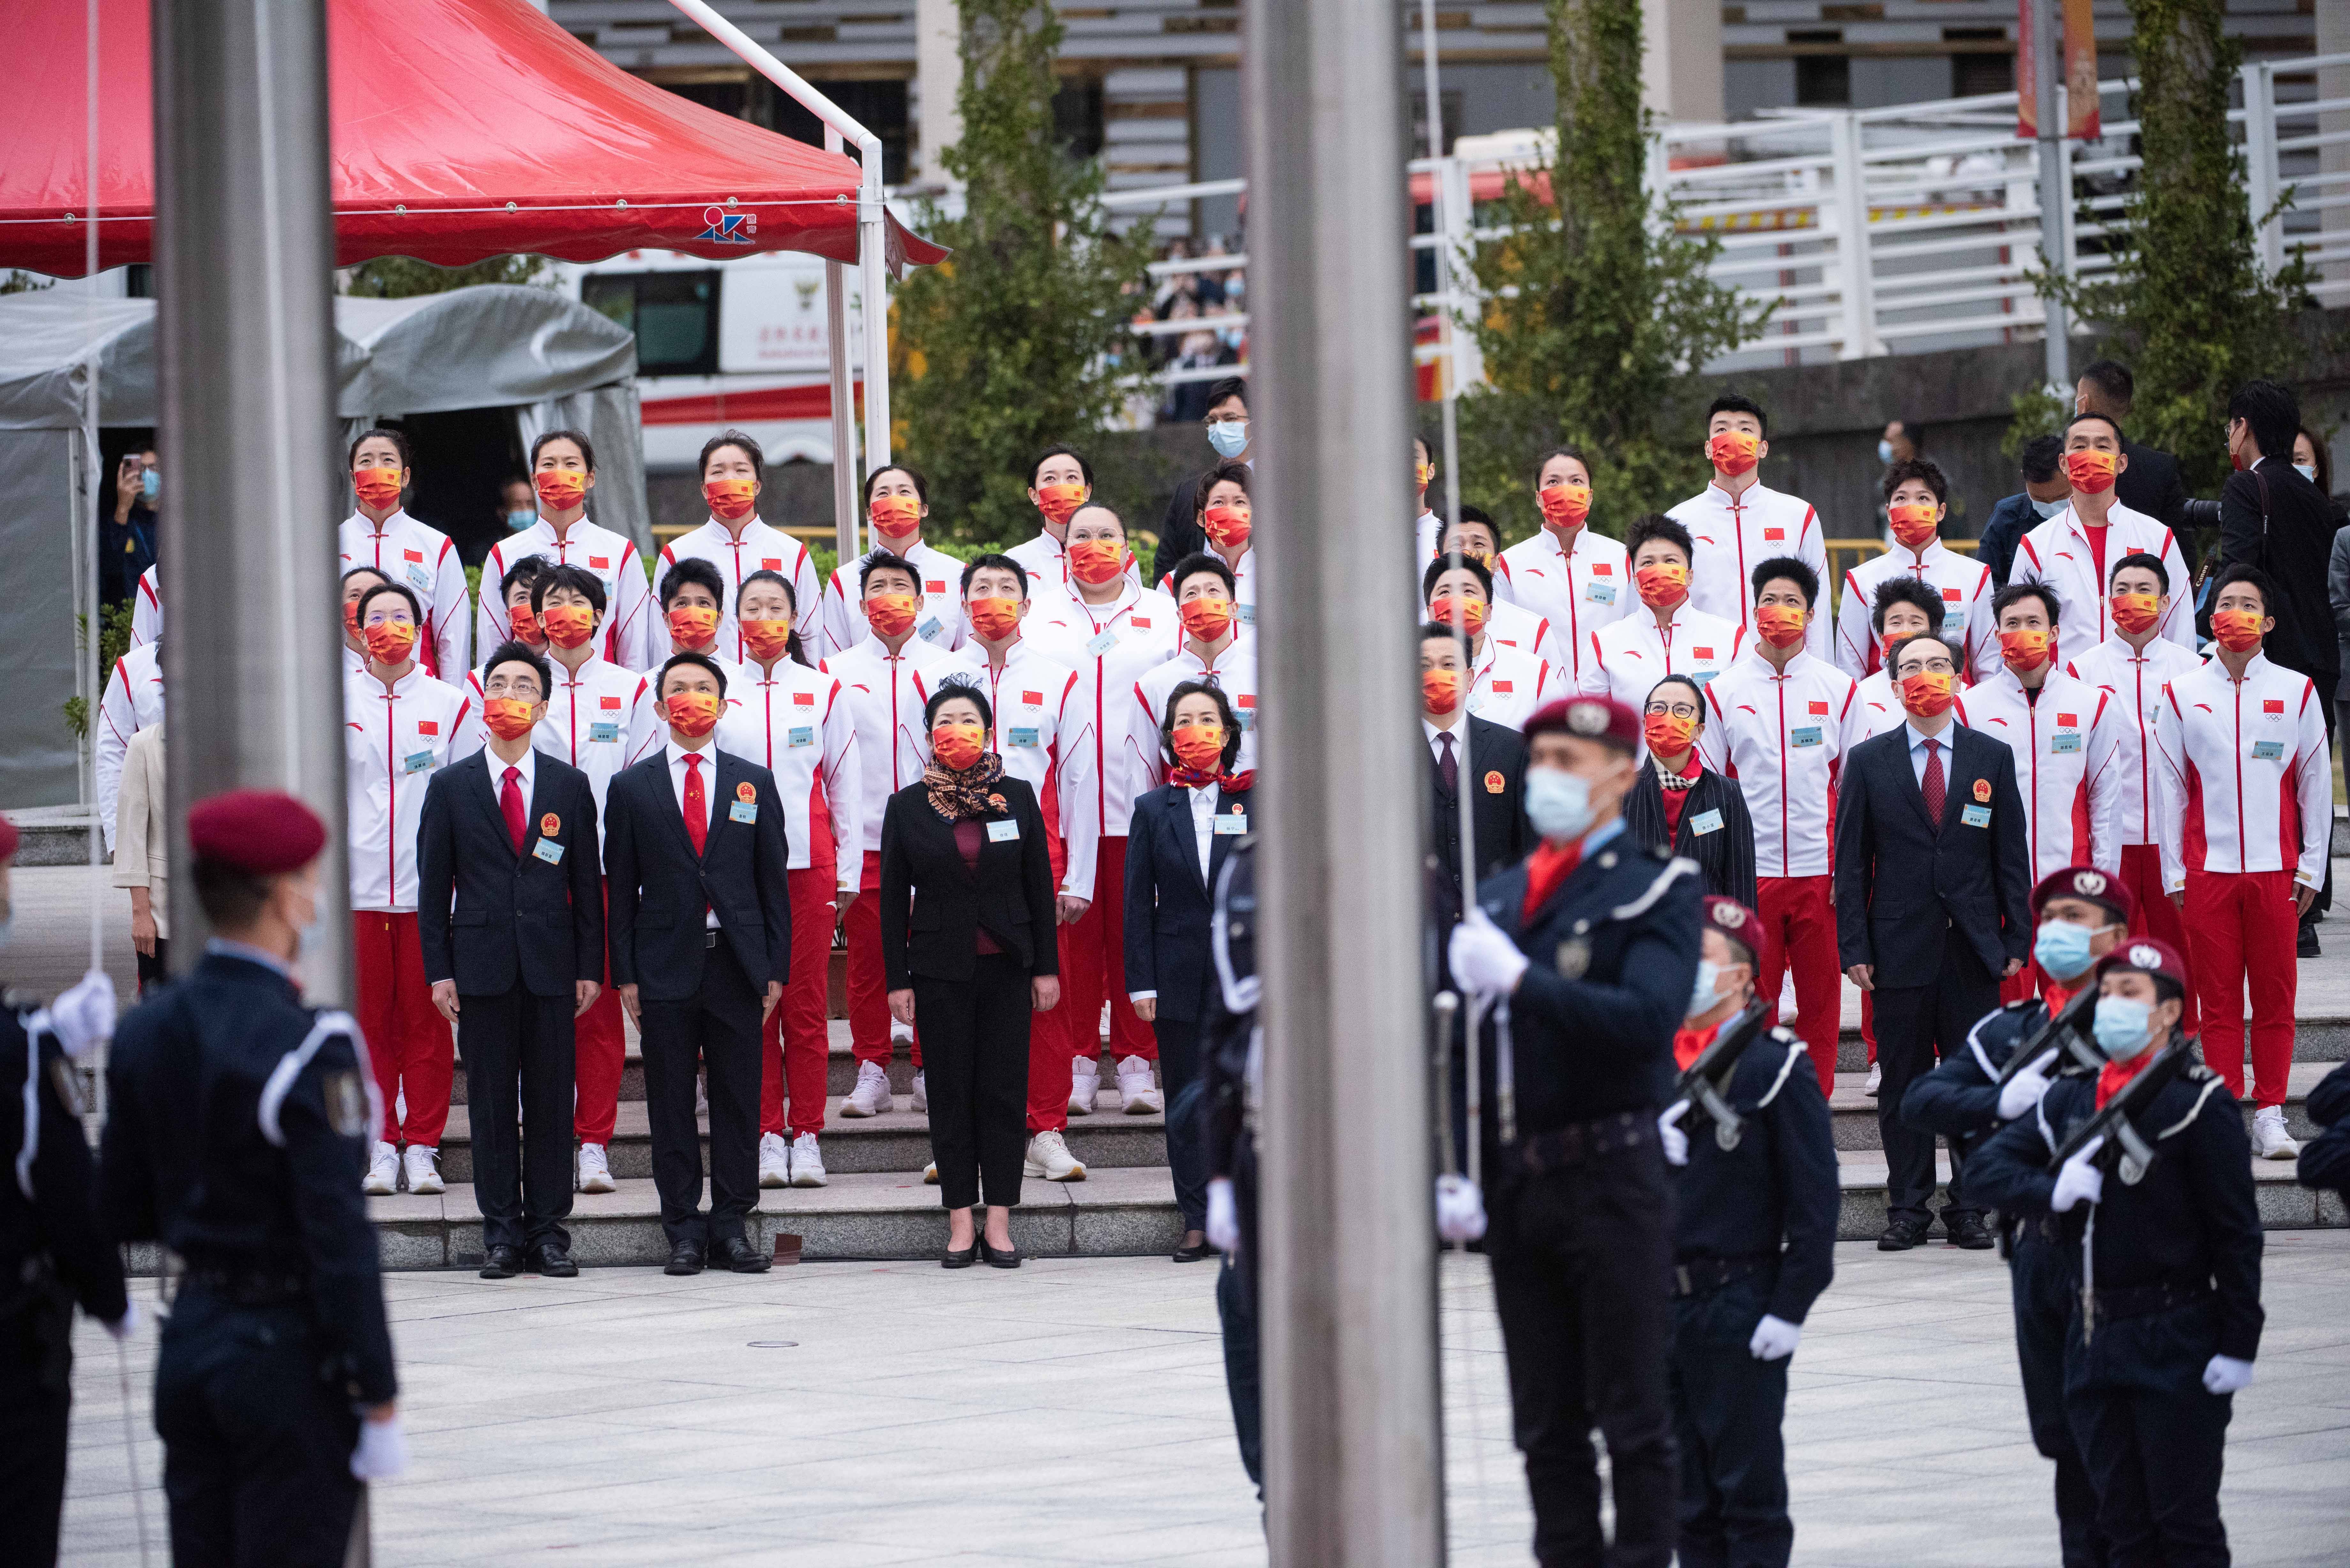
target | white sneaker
[
  {"x": 1084, "y": 1082},
  {"x": 1787, "y": 1000},
  {"x": 2270, "y": 1140},
  {"x": 931, "y": 1174},
  {"x": 922, "y": 1100},
  {"x": 807, "y": 1164},
  {"x": 383, "y": 1172},
  {"x": 595, "y": 1170},
  {"x": 871, "y": 1098},
  {"x": 1875, "y": 1080},
  {"x": 1138, "y": 1088},
  {"x": 1049, "y": 1159},
  {"x": 422, "y": 1166},
  {"x": 774, "y": 1160}
]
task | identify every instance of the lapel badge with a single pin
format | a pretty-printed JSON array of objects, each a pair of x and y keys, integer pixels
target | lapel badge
[
  {"x": 1494, "y": 782},
  {"x": 746, "y": 790},
  {"x": 549, "y": 826},
  {"x": 1574, "y": 957},
  {"x": 1982, "y": 789}
]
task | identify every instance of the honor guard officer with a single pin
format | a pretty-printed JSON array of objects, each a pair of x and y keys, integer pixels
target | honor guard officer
[
  {"x": 1588, "y": 950},
  {"x": 1757, "y": 1200},
  {"x": 2167, "y": 1320},
  {"x": 237, "y": 1117},
  {"x": 51, "y": 1253},
  {"x": 1231, "y": 1050},
  {"x": 2084, "y": 914}
]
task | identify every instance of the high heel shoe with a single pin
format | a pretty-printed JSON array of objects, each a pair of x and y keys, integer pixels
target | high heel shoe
[
  {"x": 999, "y": 1257},
  {"x": 961, "y": 1257}
]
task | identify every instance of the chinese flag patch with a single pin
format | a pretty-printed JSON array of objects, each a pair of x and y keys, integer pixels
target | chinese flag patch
[
  {"x": 2068, "y": 721},
  {"x": 1033, "y": 699},
  {"x": 1503, "y": 686},
  {"x": 937, "y": 585},
  {"x": 416, "y": 556},
  {"x": 427, "y": 726},
  {"x": 1701, "y": 653},
  {"x": 1774, "y": 536},
  {"x": 599, "y": 563},
  {"x": 1603, "y": 570},
  {"x": 804, "y": 698},
  {"x": 771, "y": 563},
  {"x": 2273, "y": 705},
  {"x": 608, "y": 701},
  {"x": 1951, "y": 594},
  {"x": 1142, "y": 621},
  {"x": 1819, "y": 706},
  {"x": 1245, "y": 700}
]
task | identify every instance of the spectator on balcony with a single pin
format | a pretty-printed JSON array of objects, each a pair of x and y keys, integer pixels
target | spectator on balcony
[
  {"x": 2046, "y": 491},
  {"x": 2150, "y": 481}
]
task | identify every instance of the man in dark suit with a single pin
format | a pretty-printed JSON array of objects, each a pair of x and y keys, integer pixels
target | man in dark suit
[
  {"x": 1489, "y": 758},
  {"x": 1228, "y": 432},
  {"x": 2045, "y": 494},
  {"x": 510, "y": 916},
  {"x": 695, "y": 856},
  {"x": 2150, "y": 480},
  {"x": 1931, "y": 944}
]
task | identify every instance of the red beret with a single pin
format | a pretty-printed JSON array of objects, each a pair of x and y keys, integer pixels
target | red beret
[
  {"x": 261, "y": 832},
  {"x": 2151, "y": 955},
  {"x": 1734, "y": 920},
  {"x": 1593, "y": 718},
  {"x": 7, "y": 838},
  {"x": 2100, "y": 887}
]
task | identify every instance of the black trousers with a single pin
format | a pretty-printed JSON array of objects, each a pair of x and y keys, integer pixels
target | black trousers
[
  {"x": 718, "y": 1031},
  {"x": 519, "y": 1051},
  {"x": 975, "y": 1071},
  {"x": 1187, "y": 1104},
  {"x": 1236, "y": 1298},
  {"x": 256, "y": 1446},
  {"x": 2152, "y": 1435},
  {"x": 1728, "y": 1409},
  {"x": 1916, "y": 1026},
  {"x": 153, "y": 969},
  {"x": 37, "y": 1392},
  {"x": 2042, "y": 1278},
  {"x": 1581, "y": 1261}
]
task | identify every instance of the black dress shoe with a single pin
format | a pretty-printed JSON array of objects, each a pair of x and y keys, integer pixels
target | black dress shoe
[
  {"x": 2305, "y": 945},
  {"x": 553, "y": 1261},
  {"x": 999, "y": 1257},
  {"x": 1194, "y": 1254},
  {"x": 958, "y": 1257},
  {"x": 1901, "y": 1235},
  {"x": 685, "y": 1257},
  {"x": 743, "y": 1258},
  {"x": 502, "y": 1264},
  {"x": 1969, "y": 1231}
]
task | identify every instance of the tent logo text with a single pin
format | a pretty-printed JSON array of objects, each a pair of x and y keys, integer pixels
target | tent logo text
[{"x": 728, "y": 228}]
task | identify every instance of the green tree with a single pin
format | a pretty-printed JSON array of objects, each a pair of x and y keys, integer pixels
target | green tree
[
  {"x": 1595, "y": 312},
  {"x": 1013, "y": 342},
  {"x": 400, "y": 277}
]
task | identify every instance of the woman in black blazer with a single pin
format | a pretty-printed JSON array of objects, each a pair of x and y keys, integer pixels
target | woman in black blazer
[
  {"x": 1703, "y": 816},
  {"x": 969, "y": 957},
  {"x": 1196, "y": 817}
]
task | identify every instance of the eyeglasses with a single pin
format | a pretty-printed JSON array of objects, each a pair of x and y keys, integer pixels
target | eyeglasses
[
  {"x": 1225, "y": 420},
  {"x": 1930, "y": 667},
  {"x": 1678, "y": 710}
]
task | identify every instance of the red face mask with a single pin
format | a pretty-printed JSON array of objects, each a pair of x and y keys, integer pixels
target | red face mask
[
  {"x": 1097, "y": 561},
  {"x": 1227, "y": 523},
  {"x": 957, "y": 743},
  {"x": 1662, "y": 582},
  {"x": 525, "y": 625},
  {"x": 1781, "y": 625},
  {"x": 1200, "y": 747},
  {"x": 1440, "y": 690},
  {"x": 1927, "y": 692},
  {"x": 2024, "y": 650},
  {"x": 560, "y": 490},
  {"x": 693, "y": 714},
  {"x": 1565, "y": 505},
  {"x": 1913, "y": 524},
  {"x": 730, "y": 499},
  {"x": 994, "y": 619},
  {"x": 691, "y": 626},
  {"x": 389, "y": 641},
  {"x": 1059, "y": 503},
  {"x": 377, "y": 487},
  {"x": 1734, "y": 451},
  {"x": 1458, "y": 609},
  {"x": 507, "y": 717},
  {"x": 568, "y": 626},
  {"x": 2237, "y": 631},
  {"x": 890, "y": 613},
  {"x": 895, "y": 516},
  {"x": 2135, "y": 613},
  {"x": 1206, "y": 619},
  {"x": 1669, "y": 734},
  {"x": 767, "y": 640},
  {"x": 2091, "y": 472}
]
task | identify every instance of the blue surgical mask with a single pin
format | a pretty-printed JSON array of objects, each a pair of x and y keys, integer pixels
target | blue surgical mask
[
  {"x": 2122, "y": 1027},
  {"x": 518, "y": 521},
  {"x": 2050, "y": 508},
  {"x": 2062, "y": 949},
  {"x": 1703, "y": 995},
  {"x": 151, "y": 483},
  {"x": 1228, "y": 436},
  {"x": 1558, "y": 802},
  {"x": 2308, "y": 471},
  {"x": 1885, "y": 451}
]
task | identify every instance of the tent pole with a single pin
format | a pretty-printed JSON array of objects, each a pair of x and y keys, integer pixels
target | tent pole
[
  {"x": 845, "y": 473},
  {"x": 243, "y": 246},
  {"x": 872, "y": 256}
]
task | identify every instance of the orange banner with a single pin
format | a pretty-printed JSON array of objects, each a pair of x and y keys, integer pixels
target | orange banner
[{"x": 2079, "y": 70}]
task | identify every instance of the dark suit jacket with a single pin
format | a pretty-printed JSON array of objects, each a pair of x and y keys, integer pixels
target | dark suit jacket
[
  {"x": 1497, "y": 755},
  {"x": 1902, "y": 889},
  {"x": 935, "y": 931},
  {"x": 1179, "y": 534},
  {"x": 1726, "y": 856},
  {"x": 514, "y": 916},
  {"x": 659, "y": 890},
  {"x": 1168, "y": 905},
  {"x": 2003, "y": 532},
  {"x": 2151, "y": 484},
  {"x": 2293, "y": 543}
]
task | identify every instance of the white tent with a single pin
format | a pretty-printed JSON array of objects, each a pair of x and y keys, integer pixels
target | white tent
[{"x": 554, "y": 361}]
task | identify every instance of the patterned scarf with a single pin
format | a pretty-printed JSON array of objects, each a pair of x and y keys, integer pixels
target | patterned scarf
[
  {"x": 1200, "y": 778},
  {"x": 955, "y": 795}
]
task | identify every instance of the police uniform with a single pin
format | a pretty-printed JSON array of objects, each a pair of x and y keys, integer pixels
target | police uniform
[
  {"x": 1231, "y": 1050},
  {"x": 2325, "y": 1158}
]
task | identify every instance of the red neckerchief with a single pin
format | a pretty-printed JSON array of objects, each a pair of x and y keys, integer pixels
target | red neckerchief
[
  {"x": 1689, "y": 1044},
  {"x": 2115, "y": 1075},
  {"x": 2056, "y": 996},
  {"x": 1200, "y": 778},
  {"x": 1546, "y": 868}
]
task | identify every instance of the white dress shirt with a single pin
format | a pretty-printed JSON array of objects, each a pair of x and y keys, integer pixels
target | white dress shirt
[
  {"x": 1203, "y": 824},
  {"x": 1917, "y": 739},
  {"x": 709, "y": 755},
  {"x": 498, "y": 770},
  {"x": 1458, "y": 731}
]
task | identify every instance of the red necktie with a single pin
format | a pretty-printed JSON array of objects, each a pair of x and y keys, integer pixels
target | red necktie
[
  {"x": 697, "y": 805},
  {"x": 510, "y": 802},
  {"x": 1933, "y": 785}
]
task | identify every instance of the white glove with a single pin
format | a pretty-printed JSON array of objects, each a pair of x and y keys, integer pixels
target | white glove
[
  {"x": 1676, "y": 1140},
  {"x": 1483, "y": 960},
  {"x": 2226, "y": 1374},
  {"x": 1774, "y": 1339},
  {"x": 1460, "y": 1209},
  {"x": 2079, "y": 1182},
  {"x": 82, "y": 1017},
  {"x": 125, "y": 1325},
  {"x": 382, "y": 1452},
  {"x": 1224, "y": 1215},
  {"x": 2022, "y": 1092}
]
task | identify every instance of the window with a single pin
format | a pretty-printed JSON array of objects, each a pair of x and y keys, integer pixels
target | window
[
  {"x": 878, "y": 106},
  {"x": 673, "y": 313},
  {"x": 1981, "y": 64},
  {"x": 1078, "y": 117},
  {"x": 1821, "y": 80}
]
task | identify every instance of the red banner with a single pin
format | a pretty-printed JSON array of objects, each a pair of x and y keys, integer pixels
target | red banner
[{"x": 2079, "y": 70}]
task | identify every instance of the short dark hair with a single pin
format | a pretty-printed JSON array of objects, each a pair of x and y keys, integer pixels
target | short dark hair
[
  {"x": 1736, "y": 403},
  {"x": 1452, "y": 634},
  {"x": 1223, "y": 709},
  {"x": 1444, "y": 564},
  {"x": 2041, "y": 454},
  {"x": 587, "y": 450},
  {"x": 2150, "y": 563},
  {"x": 1893, "y": 654},
  {"x": 231, "y": 896},
  {"x": 2105, "y": 419},
  {"x": 1696, "y": 690},
  {"x": 1057, "y": 450},
  {"x": 378, "y": 572},
  {"x": 2112, "y": 378},
  {"x": 1789, "y": 569},
  {"x": 922, "y": 484},
  {"x": 884, "y": 561},
  {"x": 2245, "y": 572},
  {"x": 2273, "y": 413},
  {"x": 751, "y": 450},
  {"x": 1657, "y": 526},
  {"x": 1916, "y": 468},
  {"x": 699, "y": 661},
  {"x": 692, "y": 570},
  {"x": 512, "y": 652},
  {"x": 957, "y": 683},
  {"x": 1576, "y": 452},
  {"x": 578, "y": 579},
  {"x": 1473, "y": 518},
  {"x": 399, "y": 439},
  {"x": 1231, "y": 469},
  {"x": 2014, "y": 591},
  {"x": 1915, "y": 591},
  {"x": 1200, "y": 561},
  {"x": 415, "y": 608},
  {"x": 972, "y": 568},
  {"x": 1230, "y": 387},
  {"x": 790, "y": 594},
  {"x": 524, "y": 573}
]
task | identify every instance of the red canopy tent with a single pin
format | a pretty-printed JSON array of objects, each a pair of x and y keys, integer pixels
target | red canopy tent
[{"x": 462, "y": 130}]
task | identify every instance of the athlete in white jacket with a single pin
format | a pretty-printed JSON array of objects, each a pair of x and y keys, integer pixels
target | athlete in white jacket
[
  {"x": 1506, "y": 684},
  {"x": 2076, "y": 551},
  {"x": 1059, "y": 483},
  {"x": 1667, "y": 636},
  {"x": 1213, "y": 651},
  {"x": 1737, "y": 521},
  {"x": 133, "y": 699},
  {"x": 564, "y": 472},
  {"x": 1917, "y": 500},
  {"x": 897, "y": 505},
  {"x": 420, "y": 558},
  {"x": 1579, "y": 580},
  {"x": 738, "y": 543}
]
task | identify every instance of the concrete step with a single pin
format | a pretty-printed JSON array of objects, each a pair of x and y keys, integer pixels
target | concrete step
[{"x": 1853, "y": 1113}]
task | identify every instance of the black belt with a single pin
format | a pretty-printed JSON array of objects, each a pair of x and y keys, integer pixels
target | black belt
[
  {"x": 1703, "y": 1276},
  {"x": 2121, "y": 1301},
  {"x": 247, "y": 1287},
  {"x": 1562, "y": 1147}
]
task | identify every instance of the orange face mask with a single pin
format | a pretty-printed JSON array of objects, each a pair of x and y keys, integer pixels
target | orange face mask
[
  {"x": 351, "y": 618},
  {"x": 568, "y": 626},
  {"x": 1669, "y": 734},
  {"x": 377, "y": 487},
  {"x": 767, "y": 640},
  {"x": 1227, "y": 523},
  {"x": 691, "y": 626},
  {"x": 890, "y": 613},
  {"x": 2092, "y": 472},
  {"x": 560, "y": 489},
  {"x": 1662, "y": 582},
  {"x": 957, "y": 743},
  {"x": 1059, "y": 503},
  {"x": 525, "y": 625},
  {"x": 1734, "y": 451},
  {"x": 1440, "y": 690},
  {"x": 2023, "y": 650},
  {"x": 994, "y": 619},
  {"x": 2237, "y": 631},
  {"x": 1206, "y": 619},
  {"x": 507, "y": 717},
  {"x": 693, "y": 714},
  {"x": 1097, "y": 561},
  {"x": 1927, "y": 692},
  {"x": 388, "y": 641},
  {"x": 1913, "y": 522},
  {"x": 1458, "y": 609},
  {"x": 1781, "y": 625},
  {"x": 1200, "y": 747},
  {"x": 730, "y": 499},
  {"x": 2135, "y": 613},
  {"x": 895, "y": 516},
  {"x": 1565, "y": 505}
]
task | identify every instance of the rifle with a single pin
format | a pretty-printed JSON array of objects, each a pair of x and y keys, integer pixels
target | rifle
[
  {"x": 2067, "y": 1030},
  {"x": 2117, "y": 1122},
  {"x": 1702, "y": 1084}
]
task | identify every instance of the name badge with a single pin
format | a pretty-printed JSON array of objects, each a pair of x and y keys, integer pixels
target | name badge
[
  {"x": 1705, "y": 822},
  {"x": 1954, "y": 620},
  {"x": 1703, "y": 678},
  {"x": 1102, "y": 643},
  {"x": 1809, "y": 735},
  {"x": 608, "y": 731},
  {"x": 743, "y": 811},
  {"x": 2268, "y": 751},
  {"x": 419, "y": 576},
  {"x": 546, "y": 850},
  {"x": 1976, "y": 816},
  {"x": 1247, "y": 613},
  {"x": 1233, "y": 825},
  {"x": 416, "y": 762},
  {"x": 1599, "y": 593},
  {"x": 801, "y": 735},
  {"x": 928, "y": 630},
  {"x": 1024, "y": 737},
  {"x": 1247, "y": 717},
  {"x": 2059, "y": 744},
  {"x": 1002, "y": 832}
]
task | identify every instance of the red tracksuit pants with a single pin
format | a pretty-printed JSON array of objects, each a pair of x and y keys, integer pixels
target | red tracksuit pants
[
  {"x": 600, "y": 1051},
  {"x": 2154, "y": 915},
  {"x": 868, "y": 981},
  {"x": 408, "y": 1044},
  {"x": 1799, "y": 933},
  {"x": 1094, "y": 967},
  {"x": 794, "y": 1044},
  {"x": 1054, "y": 1038},
  {"x": 2241, "y": 928}
]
